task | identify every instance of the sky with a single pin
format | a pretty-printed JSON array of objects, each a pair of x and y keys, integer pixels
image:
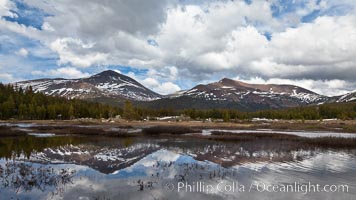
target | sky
[{"x": 171, "y": 45}]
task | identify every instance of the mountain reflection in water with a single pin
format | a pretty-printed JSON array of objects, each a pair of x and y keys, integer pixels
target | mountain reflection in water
[{"x": 142, "y": 168}]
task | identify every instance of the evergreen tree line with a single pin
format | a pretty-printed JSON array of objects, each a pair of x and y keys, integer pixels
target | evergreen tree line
[
  {"x": 327, "y": 111},
  {"x": 22, "y": 103}
]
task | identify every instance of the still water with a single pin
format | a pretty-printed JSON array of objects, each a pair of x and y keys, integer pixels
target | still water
[{"x": 94, "y": 167}]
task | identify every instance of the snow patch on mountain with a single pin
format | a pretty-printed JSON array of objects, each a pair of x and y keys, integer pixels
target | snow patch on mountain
[{"x": 347, "y": 97}]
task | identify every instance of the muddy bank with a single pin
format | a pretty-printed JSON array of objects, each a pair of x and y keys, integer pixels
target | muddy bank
[
  {"x": 312, "y": 125},
  {"x": 273, "y": 129}
]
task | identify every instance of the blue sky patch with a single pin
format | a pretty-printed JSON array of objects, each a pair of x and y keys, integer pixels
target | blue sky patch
[
  {"x": 248, "y": 2},
  {"x": 283, "y": 7},
  {"x": 39, "y": 56},
  {"x": 337, "y": 10},
  {"x": 152, "y": 42},
  {"x": 128, "y": 69},
  {"x": 26, "y": 15},
  {"x": 268, "y": 35},
  {"x": 311, "y": 16}
]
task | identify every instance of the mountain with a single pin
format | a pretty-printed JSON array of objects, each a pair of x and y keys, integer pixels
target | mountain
[
  {"x": 113, "y": 88},
  {"x": 107, "y": 84},
  {"x": 345, "y": 98},
  {"x": 228, "y": 93},
  {"x": 231, "y": 90}
]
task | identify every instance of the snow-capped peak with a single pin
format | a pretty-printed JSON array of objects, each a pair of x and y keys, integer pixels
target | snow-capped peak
[{"x": 105, "y": 84}]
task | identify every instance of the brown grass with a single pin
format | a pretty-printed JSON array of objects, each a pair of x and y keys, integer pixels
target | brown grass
[
  {"x": 325, "y": 142},
  {"x": 316, "y": 125},
  {"x": 6, "y": 131},
  {"x": 332, "y": 142},
  {"x": 75, "y": 130}
]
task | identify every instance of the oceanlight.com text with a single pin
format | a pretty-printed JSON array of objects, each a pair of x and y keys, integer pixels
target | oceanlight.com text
[{"x": 234, "y": 187}]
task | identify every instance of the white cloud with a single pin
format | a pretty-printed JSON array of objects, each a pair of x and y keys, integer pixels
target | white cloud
[
  {"x": 325, "y": 41},
  {"x": 167, "y": 88},
  {"x": 237, "y": 50},
  {"x": 5, "y": 77},
  {"x": 5, "y": 7},
  {"x": 22, "y": 52},
  {"x": 150, "y": 82},
  {"x": 161, "y": 88},
  {"x": 85, "y": 58},
  {"x": 153, "y": 81},
  {"x": 27, "y": 31},
  {"x": 199, "y": 41},
  {"x": 207, "y": 39},
  {"x": 320, "y": 50},
  {"x": 96, "y": 19},
  {"x": 166, "y": 73},
  {"x": 64, "y": 72}
]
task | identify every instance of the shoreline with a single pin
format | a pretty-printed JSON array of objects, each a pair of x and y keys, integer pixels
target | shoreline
[
  {"x": 346, "y": 126},
  {"x": 338, "y": 134}
]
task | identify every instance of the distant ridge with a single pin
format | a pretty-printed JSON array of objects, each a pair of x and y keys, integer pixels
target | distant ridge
[{"x": 112, "y": 87}]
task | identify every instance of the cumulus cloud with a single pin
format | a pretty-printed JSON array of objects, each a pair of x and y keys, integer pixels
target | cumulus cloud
[
  {"x": 95, "y": 19},
  {"x": 165, "y": 73},
  {"x": 22, "y": 52},
  {"x": 204, "y": 39},
  {"x": 196, "y": 42},
  {"x": 64, "y": 72},
  {"x": 6, "y": 77},
  {"x": 161, "y": 88},
  {"x": 161, "y": 81},
  {"x": 167, "y": 88},
  {"x": 322, "y": 49},
  {"x": 116, "y": 35},
  {"x": 65, "y": 48},
  {"x": 5, "y": 7}
]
